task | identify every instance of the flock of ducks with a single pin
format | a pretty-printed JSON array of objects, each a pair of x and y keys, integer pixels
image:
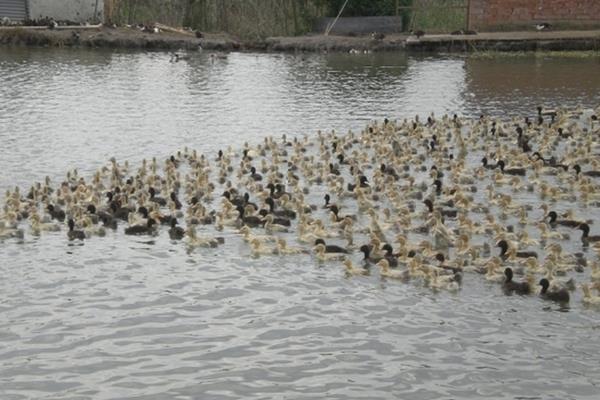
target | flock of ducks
[{"x": 425, "y": 202}]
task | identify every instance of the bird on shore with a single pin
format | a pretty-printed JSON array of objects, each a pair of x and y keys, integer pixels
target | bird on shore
[{"x": 543, "y": 26}]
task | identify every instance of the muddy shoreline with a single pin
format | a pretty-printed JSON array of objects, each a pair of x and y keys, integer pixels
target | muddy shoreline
[{"x": 130, "y": 38}]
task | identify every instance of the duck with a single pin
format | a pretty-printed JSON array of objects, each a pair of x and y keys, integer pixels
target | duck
[
  {"x": 284, "y": 214},
  {"x": 147, "y": 229},
  {"x": 55, "y": 212},
  {"x": 562, "y": 222},
  {"x": 156, "y": 199},
  {"x": 558, "y": 295},
  {"x": 74, "y": 234},
  {"x": 511, "y": 171},
  {"x": 510, "y": 286},
  {"x": 503, "y": 244},
  {"x": 324, "y": 256},
  {"x": 176, "y": 232},
  {"x": 593, "y": 174},
  {"x": 331, "y": 248},
  {"x": 585, "y": 237}
]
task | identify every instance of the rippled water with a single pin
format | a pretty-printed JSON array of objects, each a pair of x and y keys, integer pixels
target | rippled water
[{"x": 124, "y": 318}]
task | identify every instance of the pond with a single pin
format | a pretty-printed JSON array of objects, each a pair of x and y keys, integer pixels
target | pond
[{"x": 138, "y": 317}]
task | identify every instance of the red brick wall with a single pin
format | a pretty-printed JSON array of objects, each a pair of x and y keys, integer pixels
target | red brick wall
[{"x": 491, "y": 13}]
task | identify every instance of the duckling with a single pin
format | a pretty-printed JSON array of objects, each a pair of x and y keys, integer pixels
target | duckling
[
  {"x": 283, "y": 248},
  {"x": 271, "y": 226},
  {"x": 385, "y": 271},
  {"x": 559, "y": 295},
  {"x": 509, "y": 286},
  {"x": 352, "y": 270},
  {"x": 257, "y": 249},
  {"x": 588, "y": 297},
  {"x": 201, "y": 241},
  {"x": 73, "y": 233},
  {"x": 492, "y": 275},
  {"x": 248, "y": 236},
  {"x": 445, "y": 282}
]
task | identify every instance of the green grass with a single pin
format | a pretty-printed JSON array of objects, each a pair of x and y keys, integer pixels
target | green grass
[{"x": 432, "y": 19}]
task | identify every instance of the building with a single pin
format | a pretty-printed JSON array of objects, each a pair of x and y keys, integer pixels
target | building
[
  {"x": 78, "y": 11},
  {"x": 515, "y": 14}
]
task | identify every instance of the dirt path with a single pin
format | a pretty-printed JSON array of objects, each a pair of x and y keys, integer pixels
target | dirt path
[{"x": 134, "y": 38}]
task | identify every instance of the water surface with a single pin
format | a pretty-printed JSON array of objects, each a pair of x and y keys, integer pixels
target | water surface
[{"x": 138, "y": 318}]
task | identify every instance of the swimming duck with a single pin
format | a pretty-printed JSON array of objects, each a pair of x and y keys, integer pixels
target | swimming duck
[
  {"x": 503, "y": 245},
  {"x": 563, "y": 222},
  {"x": 324, "y": 256},
  {"x": 331, "y": 248},
  {"x": 55, "y": 212},
  {"x": 585, "y": 237},
  {"x": 510, "y": 286},
  {"x": 511, "y": 171},
  {"x": 560, "y": 295},
  {"x": 176, "y": 232},
  {"x": 147, "y": 229},
  {"x": 73, "y": 233},
  {"x": 578, "y": 171}
]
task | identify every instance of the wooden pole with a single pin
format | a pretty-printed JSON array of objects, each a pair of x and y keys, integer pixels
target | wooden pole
[
  {"x": 468, "y": 15},
  {"x": 330, "y": 27}
]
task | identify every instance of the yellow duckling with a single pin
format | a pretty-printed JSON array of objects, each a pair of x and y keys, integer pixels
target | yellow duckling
[
  {"x": 193, "y": 240},
  {"x": 352, "y": 270},
  {"x": 282, "y": 248},
  {"x": 385, "y": 271},
  {"x": 492, "y": 274},
  {"x": 37, "y": 226},
  {"x": 588, "y": 297},
  {"x": 444, "y": 282},
  {"x": 257, "y": 249},
  {"x": 524, "y": 239},
  {"x": 546, "y": 233},
  {"x": 248, "y": 236}
]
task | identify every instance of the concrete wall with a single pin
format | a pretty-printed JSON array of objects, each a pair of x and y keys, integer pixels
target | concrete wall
[
  {"x": 360, "y": 25},
  {"x": 488, "y": 14},
  {"x": 70, "y": 10}
]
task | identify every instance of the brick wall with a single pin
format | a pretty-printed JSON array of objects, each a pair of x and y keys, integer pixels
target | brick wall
[{"x": 487, "y": 14}]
